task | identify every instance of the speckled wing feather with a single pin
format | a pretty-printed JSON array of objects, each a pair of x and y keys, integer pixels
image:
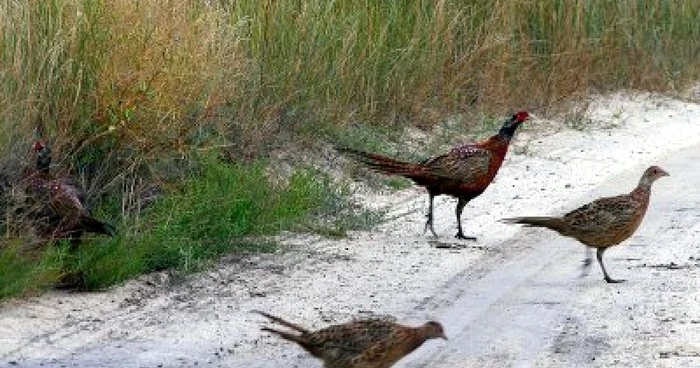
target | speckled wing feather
[
  {"x": 344, "y": 345},
  {"x": 65, "y": 199},
  {"x": 75, "y": 187},
  {"x": 384, "y": 353},
  {"x": 464, "y": 164},
  {"x": 375, "y": 344},
  {"x": 608, "y": 216}
]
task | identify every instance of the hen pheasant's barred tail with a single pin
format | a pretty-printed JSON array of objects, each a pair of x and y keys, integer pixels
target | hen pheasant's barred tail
[
  {"x": 552, "y": 223},
  {"x": 285, "y": 335},
  {"x": 281, "y": 322},
  {"x": 382, "y": 163}
]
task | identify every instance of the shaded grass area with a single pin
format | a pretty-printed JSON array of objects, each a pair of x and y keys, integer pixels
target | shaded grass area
[
  {"x": 22, "y": 273},
  {"x": 224, "y": 208}
]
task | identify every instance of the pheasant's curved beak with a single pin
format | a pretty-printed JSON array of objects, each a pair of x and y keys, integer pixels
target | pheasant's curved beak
[
  {"x": 664, "y": 173},
  {"x": 443, "y": 336}
]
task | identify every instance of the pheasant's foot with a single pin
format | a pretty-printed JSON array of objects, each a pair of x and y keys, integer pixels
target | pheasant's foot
[
  {"x": 429, "y": 225},
  {"x": 463, "y": 237},
  {"x": 613, "y": 281},
  {"x": 432, "y": 231}
]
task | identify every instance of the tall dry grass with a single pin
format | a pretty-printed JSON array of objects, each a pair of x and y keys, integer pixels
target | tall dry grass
[{"x": 161, "y": 75}]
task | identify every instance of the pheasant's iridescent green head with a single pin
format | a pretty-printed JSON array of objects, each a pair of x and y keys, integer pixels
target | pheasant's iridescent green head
[
  {"x": 512, "y": 124},
  {"x": 43, "y": 157}
]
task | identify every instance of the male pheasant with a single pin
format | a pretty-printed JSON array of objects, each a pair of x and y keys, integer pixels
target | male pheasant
[
  {"x": 371, "y": 343},
  {"x": 464, "y": 173},
  {"x": 604, "y": 222},
  {"x": 61, "y": 199}
]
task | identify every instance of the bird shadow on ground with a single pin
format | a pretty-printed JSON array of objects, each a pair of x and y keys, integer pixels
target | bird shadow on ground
[
  {"x": 455, "y": 245},
  {"x": 670, "y": 266}
]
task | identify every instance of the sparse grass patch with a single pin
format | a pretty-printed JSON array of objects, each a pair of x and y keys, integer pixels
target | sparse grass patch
[
  {"x": 577, "y": 120},
  {"x": 398, "y": 183},
  {"x": 365, "y": 137}
]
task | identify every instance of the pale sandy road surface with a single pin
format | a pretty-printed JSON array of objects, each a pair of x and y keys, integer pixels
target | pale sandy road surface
[{"x": 512, "y": 299}]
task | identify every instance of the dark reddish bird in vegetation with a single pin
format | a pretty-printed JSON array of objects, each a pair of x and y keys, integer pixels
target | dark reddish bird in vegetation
[
  {"x": 372, "y": 343},
  {"x": 604, "y": 222},
  {"x": 61, "y": 200},
  {"x": 463, "y": 173}
]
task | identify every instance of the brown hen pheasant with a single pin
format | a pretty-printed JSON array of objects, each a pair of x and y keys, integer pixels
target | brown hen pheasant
[
  {"x": 464, "y": 173},
  {"x": 604, "y": 222},
  {"x": 372, "y": 343},
  {"x": 61, "y": 200}
]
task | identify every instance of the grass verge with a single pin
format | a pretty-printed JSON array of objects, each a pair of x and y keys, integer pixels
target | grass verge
[{"x": 224, "y": 208}]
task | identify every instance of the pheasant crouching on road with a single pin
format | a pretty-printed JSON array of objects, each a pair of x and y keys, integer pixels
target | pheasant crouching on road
[
  {"x": 463, "y": 173},
  {"x": 604, "y": 222},
  {"x": 373, "y": 343}
]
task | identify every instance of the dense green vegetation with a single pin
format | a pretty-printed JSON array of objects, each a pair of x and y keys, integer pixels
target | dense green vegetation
[
  {"x": 222, "y": 208},
  {"x": 130, "y": 94}
]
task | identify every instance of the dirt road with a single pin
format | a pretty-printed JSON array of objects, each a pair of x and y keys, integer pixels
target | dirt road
[
  {"x": 531, "y": 309},
  {"x": 514, "y": 298}
]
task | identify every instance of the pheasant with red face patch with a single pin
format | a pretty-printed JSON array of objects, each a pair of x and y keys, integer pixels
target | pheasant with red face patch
[
  {"x": 61, "y": 199},
  {"x": 463, "y": 173}
]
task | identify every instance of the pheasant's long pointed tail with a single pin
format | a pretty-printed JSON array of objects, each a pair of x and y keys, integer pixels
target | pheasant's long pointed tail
[
  {"x": 285, "y": 335},
  {"x": 282, "y": 322},
  {"x": 299, "y": 339},
  {"x": 381, "y": 163},
  {"x": 553, "y": 223},
  {"x": 97, "y": 226}
]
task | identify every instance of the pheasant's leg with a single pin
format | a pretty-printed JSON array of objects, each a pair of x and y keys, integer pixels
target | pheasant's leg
[
  {"x": 429, "y": 223},
  {"x": 75, "y": 238},
  {"x": 586, "y": 266},
  {"x": 607, "y": 278},
  {"x": 460, "y": 207}
]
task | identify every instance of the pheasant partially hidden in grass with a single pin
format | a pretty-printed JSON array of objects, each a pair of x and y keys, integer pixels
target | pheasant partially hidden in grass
[
  {"x": 602, "y": 223},
  {"x": 463, "y": 173},
  {"x": 61, "y": 200},
  {"x": 372, "y": 343}
]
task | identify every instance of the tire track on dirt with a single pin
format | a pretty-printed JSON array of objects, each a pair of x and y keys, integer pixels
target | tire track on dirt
[{"x": 529, "y": 303}]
